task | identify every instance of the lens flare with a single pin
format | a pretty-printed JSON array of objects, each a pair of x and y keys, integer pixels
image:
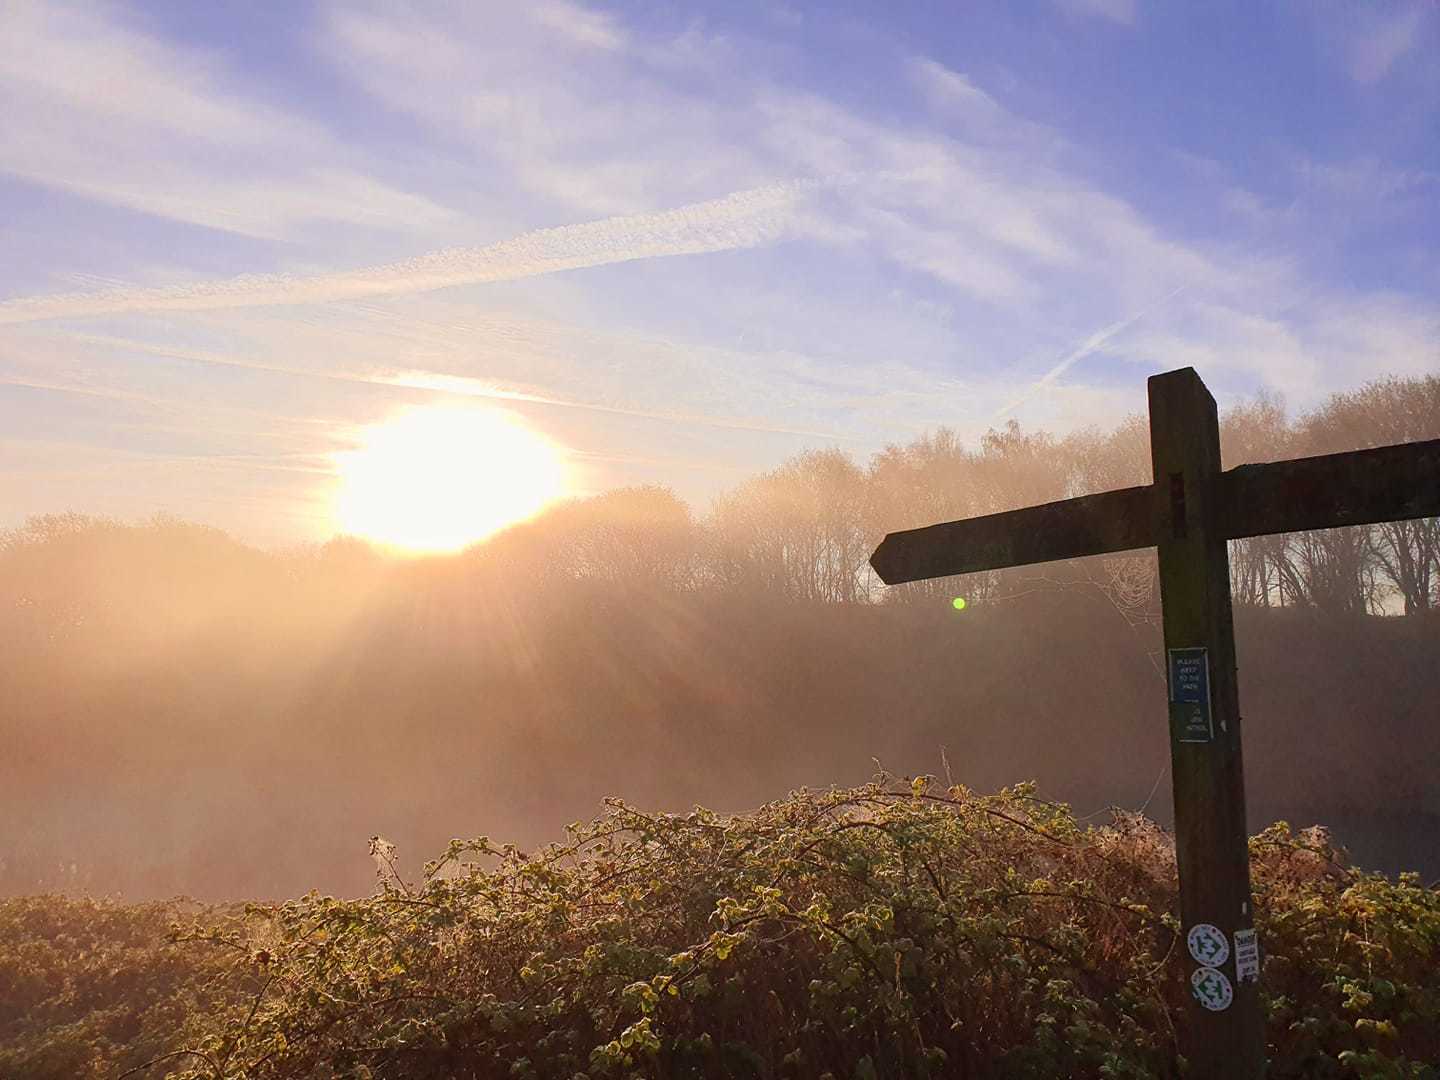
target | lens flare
[
  {"x": 437, "y": 479},
  {"x": 958, "y": 603}
]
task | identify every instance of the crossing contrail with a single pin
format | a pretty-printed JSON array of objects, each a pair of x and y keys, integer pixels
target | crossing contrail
[{"x": 1084, "y": 349}]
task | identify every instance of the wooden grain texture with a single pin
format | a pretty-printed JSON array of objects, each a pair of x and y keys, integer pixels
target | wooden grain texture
[
  {"x": 1211, "y": 841},
  {"x": 1362, "y": 487},
  {"x": 1090, "y": 525}
]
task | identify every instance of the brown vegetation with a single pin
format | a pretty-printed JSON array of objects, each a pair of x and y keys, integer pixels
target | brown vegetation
[{"x": 899, "y": 929}]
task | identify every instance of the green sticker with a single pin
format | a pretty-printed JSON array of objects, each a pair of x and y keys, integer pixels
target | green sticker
[{"x": 1212, "y": 989}]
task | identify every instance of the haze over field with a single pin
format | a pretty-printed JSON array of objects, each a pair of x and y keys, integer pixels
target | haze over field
[
  {"x": 189, "y": 714},
  {"x": 426, "y": 419}
]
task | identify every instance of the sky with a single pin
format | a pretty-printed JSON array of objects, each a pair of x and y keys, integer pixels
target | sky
[{"x": 682, "y": 242}]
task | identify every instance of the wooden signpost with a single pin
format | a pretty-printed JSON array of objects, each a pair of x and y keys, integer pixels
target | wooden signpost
[{"x": 1189, "y": 513}]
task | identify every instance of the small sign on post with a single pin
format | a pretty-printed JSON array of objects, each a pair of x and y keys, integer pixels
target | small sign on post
[
  {"x": 1190, "y": 717},
  {"x": 1189, "y": 512},
  {"x": 1247, "y": 956}
]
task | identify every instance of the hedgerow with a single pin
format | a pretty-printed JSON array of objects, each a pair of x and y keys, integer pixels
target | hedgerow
[
  {"x": 891, "y": 930},
  {"x": 90, "y": 988},
  {"x": 884, "y": 931}
]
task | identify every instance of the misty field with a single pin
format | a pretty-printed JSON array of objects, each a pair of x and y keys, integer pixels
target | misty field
[{"x": 188, "y": 714}]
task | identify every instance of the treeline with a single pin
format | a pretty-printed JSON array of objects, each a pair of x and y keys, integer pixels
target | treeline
[
  {"x": 181, "y": 712},
  {"x": 803, "y": 531}
]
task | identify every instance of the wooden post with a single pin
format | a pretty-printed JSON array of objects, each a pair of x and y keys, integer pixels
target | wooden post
[
  {"x": 1189, "y": 512},
  {"x": 1226, "y": 1035}
]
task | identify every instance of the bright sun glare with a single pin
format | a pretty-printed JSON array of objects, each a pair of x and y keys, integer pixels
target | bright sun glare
[{"x": 436, "y": 479}]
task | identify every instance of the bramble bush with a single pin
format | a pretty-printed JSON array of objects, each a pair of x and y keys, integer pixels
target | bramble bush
[
  {"x": 891, "y": 930},
  {"x": 90, "y": 988}
]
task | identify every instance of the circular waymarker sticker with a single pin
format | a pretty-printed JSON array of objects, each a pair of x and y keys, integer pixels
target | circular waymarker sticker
[
  {"x": 1207, "y": 944},
  {"x": 1212, "y": 989}
]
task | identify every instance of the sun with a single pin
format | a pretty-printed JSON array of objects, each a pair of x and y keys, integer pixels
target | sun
[{"x": 436, "y": 479}]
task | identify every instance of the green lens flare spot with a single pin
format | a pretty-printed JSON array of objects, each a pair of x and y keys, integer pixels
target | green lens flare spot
[{"x": 958, "y": 603}]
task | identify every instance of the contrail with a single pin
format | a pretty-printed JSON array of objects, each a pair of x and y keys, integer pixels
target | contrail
[
  {"x": 742, "y": 219},
  {"x": 1084, "y": 349},
  {"x": 451, "y": 385}
]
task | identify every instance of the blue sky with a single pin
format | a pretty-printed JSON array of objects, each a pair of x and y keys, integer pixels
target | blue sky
[{"x": 685, "y": 242}]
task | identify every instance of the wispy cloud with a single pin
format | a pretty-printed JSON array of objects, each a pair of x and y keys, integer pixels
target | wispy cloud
[
  {"x": 953, "y": 90},
  {"x": 986, "y": 202},
  {"x": 740, "y": 220},
  {"x": 102, "y": 110},
  {"x": 1381, "y": 39},
  {"x": 1118, "y": 11},
  {"x": 594, "y": 29},
  {"x": 559, "y": 97},
  {"x": 461, "y": 386},
  {"x": 264, "y": 501},
  {"x": 430, "y": 382}
]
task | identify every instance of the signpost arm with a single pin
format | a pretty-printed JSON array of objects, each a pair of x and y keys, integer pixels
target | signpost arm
[
  {"x": 1226, "y": 1032},
  {"x": 1090, "y": 525}
]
